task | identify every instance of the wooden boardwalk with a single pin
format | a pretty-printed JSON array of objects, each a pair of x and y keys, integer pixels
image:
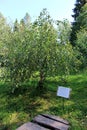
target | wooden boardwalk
[{"x": 46, "y": 122}]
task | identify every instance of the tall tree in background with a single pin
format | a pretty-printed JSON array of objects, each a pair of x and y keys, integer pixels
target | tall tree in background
[
  {"x": 16, "y": 26},
  {"x": 76, "y": 24},
  {"x": 81, "y": 41},
  {"x": 27, "y": 19},
  {"x": 82, "y": 18},
  {"x": 25, "y": 22},
  {"x": 64, "y": 30}
]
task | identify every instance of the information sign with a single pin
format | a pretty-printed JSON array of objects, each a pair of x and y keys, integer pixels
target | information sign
[{"x": 63, "y": 92}]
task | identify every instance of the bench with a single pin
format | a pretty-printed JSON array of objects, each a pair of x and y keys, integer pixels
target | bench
[{"x": 46, "y": 122}]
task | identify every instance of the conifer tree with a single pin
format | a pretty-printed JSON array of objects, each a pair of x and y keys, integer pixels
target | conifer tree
[
  {"x": 16, "y": 26},
  {"x": 76, "y": 24}
]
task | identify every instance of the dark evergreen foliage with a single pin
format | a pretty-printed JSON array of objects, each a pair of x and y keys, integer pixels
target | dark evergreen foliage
[
  {"x": 76, "y": 24},
  {"x": 16, "y": 26}
]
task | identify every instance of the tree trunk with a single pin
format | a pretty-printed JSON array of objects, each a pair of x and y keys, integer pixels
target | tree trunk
[{"x": 41, "y": 81}]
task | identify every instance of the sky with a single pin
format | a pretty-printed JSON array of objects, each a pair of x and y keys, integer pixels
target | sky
[{"x": 58, "y": 9}]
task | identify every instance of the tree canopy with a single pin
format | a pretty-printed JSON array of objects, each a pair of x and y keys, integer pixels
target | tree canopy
[{"x": 38, "y": 48}]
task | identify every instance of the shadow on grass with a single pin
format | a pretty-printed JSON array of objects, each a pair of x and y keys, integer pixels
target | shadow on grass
[{"x": 29, "y": 100}]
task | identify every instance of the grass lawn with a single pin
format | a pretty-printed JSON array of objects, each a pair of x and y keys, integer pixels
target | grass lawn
[{"x": 20, "y": 108}]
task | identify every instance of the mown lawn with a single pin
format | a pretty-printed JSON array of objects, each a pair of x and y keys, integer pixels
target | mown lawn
[{"x": 21, "y": 107}]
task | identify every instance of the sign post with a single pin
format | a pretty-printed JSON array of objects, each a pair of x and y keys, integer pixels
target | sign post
[{"x": 63, "y": 92}]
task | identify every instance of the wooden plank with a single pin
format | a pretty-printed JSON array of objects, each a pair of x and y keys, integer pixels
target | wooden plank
[
  {"x": 56, "y": 118},
  {"x": 49, "y": 123},
  {"x": 31, "y": 126}
]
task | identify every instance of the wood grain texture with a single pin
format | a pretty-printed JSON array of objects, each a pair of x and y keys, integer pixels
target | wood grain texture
[
  {"x": 50, "y": 123},
  {"x": 56, "y": 118},
  {"x": 31, "y": 126}
]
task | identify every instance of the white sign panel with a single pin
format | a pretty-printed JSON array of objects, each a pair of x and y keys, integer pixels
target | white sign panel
[{"x": 63, "y": 92}]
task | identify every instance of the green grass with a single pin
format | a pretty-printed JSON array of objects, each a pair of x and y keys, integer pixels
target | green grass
[{"x": 21, "y": 107}]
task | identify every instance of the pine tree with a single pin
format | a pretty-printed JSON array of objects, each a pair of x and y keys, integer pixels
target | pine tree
[
  {"x": 76, "y": 24},
  {"x": 25, "y": 22},
  {"x": 16, "y": 26},
  {"x": 27, "y": 19},
  {"x": 81, "y": 41}
]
